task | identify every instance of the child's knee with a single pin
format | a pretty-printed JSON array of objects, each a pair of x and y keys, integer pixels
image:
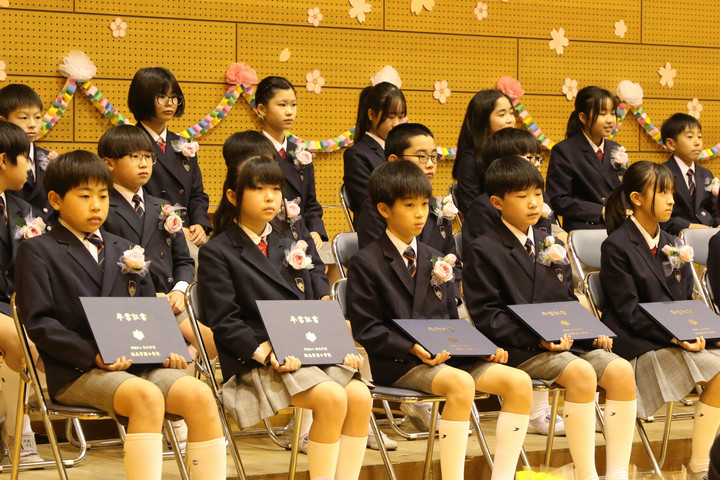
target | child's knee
[
  {"x": 518, "y": 384},
  {"x": 358, "y": 395},
  {"x": 142, "y": 397},
  {"x": 330, "y": 398},
  {"x": 620, "y": 371},
  {"x": 459, "y": 386},
  {"x": 579, "y": 375}
]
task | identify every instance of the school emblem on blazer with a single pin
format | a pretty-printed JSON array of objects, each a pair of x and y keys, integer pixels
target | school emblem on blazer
[
  {"x": 677, "y": 275},
  {"x": 186, "y": 165},
  {"x": 559, "y": 274},
  {"x": 442, "y": 231},
  {"x": 168, "y": 240},
  {"x": 437, "y": 291},
  {"x": 300, "y": 284},
  {"x": 294, "y": 232},
  {"x": 132, "y": 287}
]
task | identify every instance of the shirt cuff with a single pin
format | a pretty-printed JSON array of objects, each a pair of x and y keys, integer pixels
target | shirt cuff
[
  {"x": 262, "y": 352},
  {"x": 181, "y": 287}
]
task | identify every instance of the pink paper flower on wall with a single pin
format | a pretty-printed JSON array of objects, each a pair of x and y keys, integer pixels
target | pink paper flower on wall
[
  {"x": 118, "y": 28},
  {"x": 241, "y": 74},
  {"x": 315, "y": 81},
  {"x": 314, "y": 16},
  {"x": 694, "y": 107},
  {"x": 570, "y": 89},
  {"x": 3, "y": 75},
  {"x": 481, "y": 10},
  {"x": 442, "y": 92}
]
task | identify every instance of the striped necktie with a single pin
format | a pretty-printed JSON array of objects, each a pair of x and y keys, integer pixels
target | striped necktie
[
  {"x": 138, "y": 203},
  {"x": 529, "y": 248},
  {"x": 409, "y": 255},
  {"x": 691, "y": 182},
  {"x": 99, "y": 244}
]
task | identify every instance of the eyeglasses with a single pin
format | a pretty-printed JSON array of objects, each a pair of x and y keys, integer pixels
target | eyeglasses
[
  {"x": 136, "y": 158},
  {"x": 165, "y": 100},
  {"x": 424, "y": 157},
  {"x": 535, "y": 159}
]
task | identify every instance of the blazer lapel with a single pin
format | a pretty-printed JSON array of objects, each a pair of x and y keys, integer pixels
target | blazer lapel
[
  {"x": 701, "y": 180},
  {"x": 288, "y": 167},
  {"x": 397, "y": 263},
  {"x": 375, "y": 146},
  {"x": 642, "y": 249},
  {"x": 517, "y": 251},
  {"x": 15, "y": 212},
  {"x": 680, "y": 182},
  {"x": 80, "y": 254},
  {"x": 169, "y": 158},
  {"x": 422, "y": 281},
  {"x": 113, "y": 252},
  {"x": 126, "y": 212},
  {"x": 151, "y": 219}
]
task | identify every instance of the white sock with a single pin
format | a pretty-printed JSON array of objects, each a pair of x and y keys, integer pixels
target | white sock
[
  {"x": 11, "y": 383},
  {"x": 350, "y": 458},
  {"x": 705, "y": 427},
  {"x": 539, "y": 404},
  {"x": 453, "y": 443},
  {"x": 322, "y": 459},
  {"x": 306, "y": 422},
  {"x": 580, "y": 432},
  {"x": 143, "y": 456},
  {"x": 207, "y": 460},
  {"x": 619, "y": 429},
  {"x": 510, "y": 435}
]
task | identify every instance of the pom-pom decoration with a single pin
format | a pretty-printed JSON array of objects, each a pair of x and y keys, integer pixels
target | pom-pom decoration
[
  {"x": 78, "y": 66},
  {"x": 387, "y": 74}
]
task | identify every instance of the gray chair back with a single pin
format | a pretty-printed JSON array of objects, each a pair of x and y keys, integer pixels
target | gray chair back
[{"x": 344, "y": 246}]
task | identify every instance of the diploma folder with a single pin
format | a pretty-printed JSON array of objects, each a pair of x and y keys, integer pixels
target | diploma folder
[
  {"x": 684, "y": 319},
  {"x": 554, "y": 319},
  {"x": 142, "y": 329},
  {"x": 313, "y": 331},
  {"x": 456, "y": 336}
]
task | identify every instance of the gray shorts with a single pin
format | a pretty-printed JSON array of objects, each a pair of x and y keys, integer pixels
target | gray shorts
[
  {"x": 421, "y": 377},
  {"x": 548, "y": 366}
]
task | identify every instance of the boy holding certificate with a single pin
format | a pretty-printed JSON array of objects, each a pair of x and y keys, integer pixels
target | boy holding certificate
[
  {"x": 516, "y": 263},
  {"x": 79, "y": 259},
  {"x": 399, "y": 277}
]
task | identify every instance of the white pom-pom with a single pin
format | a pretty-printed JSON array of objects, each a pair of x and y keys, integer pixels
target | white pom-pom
[
  {"x": 387, "y": 74},
  {"x": 78, "y": 66},
  {"x": 630, "y": 93}
]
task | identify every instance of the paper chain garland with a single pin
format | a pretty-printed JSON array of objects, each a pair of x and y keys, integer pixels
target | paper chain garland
[{"x": 60, "y": 105}]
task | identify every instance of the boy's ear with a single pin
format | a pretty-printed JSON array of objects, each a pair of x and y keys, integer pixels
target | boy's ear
[
  {"x": 497, "y": 202},
  {"x": 394, "y": 158},
  {"x": 3, "y": 159},
  {"x": 232, "y": 198},
  {"x": 670, "y": 144},
  {"x": 54, "y": 199},
  {"x": 261, "y": 110},
  {"x": 109, "y": 162},
  {"x": 384, "y": 210}
]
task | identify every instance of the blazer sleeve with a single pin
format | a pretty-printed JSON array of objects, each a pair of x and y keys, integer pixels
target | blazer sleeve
[
  {"x": 357, "y": 172},
  {"x": 312, "y": 211},
  {"x": 560, "y": 188},
  {"x": 183, "y": 263},
  {"x": 199, "y": 200},
  {"x": 713, "y": 266},
  {"x": 468, "y": 182}
]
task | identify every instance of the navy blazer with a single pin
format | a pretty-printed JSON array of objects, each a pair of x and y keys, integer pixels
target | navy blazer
[
  {"x": 713, "y": 266},
  {"x": 469, "y": 184},
  {"x": 359, "y": 161},
  {"x": 578, "y": 184},
  {"x": 233, "y": 273},
  {"x": 178, "y": 180},
  {"x": 379, "y": 289},
  {"x": 630, "y": 274},
  {"x": 499, "y": 272},
  {"x": 300, "y": 182},
  {"x": 58, "y": 271},
  {"x": 170, "y": 260},
  {"x": 482, "y": 217},
  {"x": 687, "y": 210},
  {"x": 17, "y": 209},
  {"x": 34, "y": 192}
]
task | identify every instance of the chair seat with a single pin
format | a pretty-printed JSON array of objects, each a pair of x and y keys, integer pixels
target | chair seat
[
  {"x": 59, "y": 409},
  {"x": 402, "y": 394}
]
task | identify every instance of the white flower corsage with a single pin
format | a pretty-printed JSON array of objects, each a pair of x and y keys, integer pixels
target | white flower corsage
[
  {"x": 29, "y": 227},
  {"x": 133, "y": 261},
  {"x": 296, "y": 257},
  {"x": 619, "y": 159},
  {"x": 170, "y": 219},
  {"x": 546, "y": 211},
  {"x": 42, "y": 159},
  {"x": 713, "y": 186},
  {"x": 551, "y": 252},
  {"x": 442, "y": 269},
  {"x": 444, "y": 208},
  {"x": 301, "y": 156},
  {"x": 187, "y": 148},
  {"x": 292, "y": 211},
  {"x": 677, "y": 255}
]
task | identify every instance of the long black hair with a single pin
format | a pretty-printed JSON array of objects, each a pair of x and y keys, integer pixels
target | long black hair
[
  {"x": 385, "y": 99},
  {"x": 590, "y": 101}
]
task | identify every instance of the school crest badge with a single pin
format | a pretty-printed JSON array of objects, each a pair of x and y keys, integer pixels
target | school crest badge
[
  {"x": 438, "y": 291},
  {"x": 677, "y": 275},
  {"x": 132, "y": 287},
  {"x": 186, "y": 165},
  {"x": 300, "y": 284},
  {"x": 559, "y": 274},
  {"x": 442, "y": 231}
]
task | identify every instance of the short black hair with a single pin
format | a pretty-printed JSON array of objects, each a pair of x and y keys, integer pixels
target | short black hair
[
  {"x": 13, "y": 141},
  {"x": 394, "y": 181},
  {"x": 399, "y": 138},
  {"x": 120, "y": 140},
  {"x": 242, "y": 145},
  {"x": 509, "y": 142},
  {"x": 18, "y": 95},
  {"x": 676, "y": 124},
  {"x": 73, "y": 169},
  {"x": 145, "y": 85},
  {"x": 511, "y": 174},
  {"x": 267, "y": 88}
]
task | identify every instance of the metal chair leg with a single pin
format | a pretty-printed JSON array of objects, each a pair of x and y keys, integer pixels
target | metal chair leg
[
  {"x": 383, "y": 450},
  {"x": 431, "y": 440},
  {"x": 551, "y": 426},
  {"x": 648, "y": 449},
  {"x": 295, "y": 443},
  {"x": 475, "y": 418},
  {"x": 176, "y": 450}
]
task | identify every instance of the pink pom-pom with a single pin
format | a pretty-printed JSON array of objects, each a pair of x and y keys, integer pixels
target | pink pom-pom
[
  {"x": 510, "y": 87},
  {"x": 241, "y": 74}
]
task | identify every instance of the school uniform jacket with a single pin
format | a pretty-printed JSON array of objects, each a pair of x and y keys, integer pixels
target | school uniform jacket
[
  {"x": 57, "y": 271},
  {"x": 301, "y": 183},
  {"x": 713, "y": 266},
  {"x": 379, "y": 289},
  {"x": 234, "y": 273},
  {"x": 687, "y": 210},
  {"x": 17, "y": 209},
  {"x": 359, "y": 161},
  {"x": 469, "y": 184},
  {"x": 34, "y": 192},
  {"x": 579, "y": 184},
  {"x": 499, "y": 272},
  {"x": 482, "y": 217},
  {"x": 630, "y": 274},
  {"x": 171, "y": 181},
  {"x": 170, "y": 260}
]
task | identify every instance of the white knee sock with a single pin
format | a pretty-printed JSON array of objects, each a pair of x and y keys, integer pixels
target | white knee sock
[
  {"x": 510, "y": 435},
  {"x": 453, "y": 443},
  {"x": 143, "y": 456},
  {"x": 207, "y": 460},
  {"x": 705, "y": 427},
  {"x": 11, "y": 383},
  {"x": 322, "y": 459},
  {"x": 539, "y": 404},
  {"x": 580, "y": 431},
  {"x": 306, "y": 421},
  {"x": 350, "y": 458},
  {"x": 619, "y": 429}
]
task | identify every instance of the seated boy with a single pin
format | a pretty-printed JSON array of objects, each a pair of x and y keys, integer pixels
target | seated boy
[
  {"x": 19, "y": 104},
  {"x": 393, "y": 278},
  {"x": 505, "y": 267},
  {"x": 79, "y": 259},
  {"x": 694, "y": 200}
]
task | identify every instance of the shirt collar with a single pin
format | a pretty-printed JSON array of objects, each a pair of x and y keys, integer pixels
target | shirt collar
[
  {"x": 78, "y": 233},
  {"x": 254, "y": 236},
  {"x": 155, "y": 136},
  {"x": 684, "y": 167},
  {"x": 128, "y": 194},
  {"x": 522, "y": 237},
  {"x": 377, "y": 139},
  {"x": 596, "y": 147},
  {"x": 277, "y": 144},
  {"x": 651, "y": 241},
  {"x": 400, "y": 245}
]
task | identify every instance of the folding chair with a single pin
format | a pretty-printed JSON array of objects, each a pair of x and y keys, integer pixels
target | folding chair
[
  {"x": 344, "y": 246},
  {"x": 708, "y": 289},
  {"x": 458, "y": 244},
  {"x": 346, "y": 207},
  {"x": 48, "y": 408},
  {"x": 453, "y": 193},
  {"x": 584, "y": 246},
  {"x": 698, "y": 239}
]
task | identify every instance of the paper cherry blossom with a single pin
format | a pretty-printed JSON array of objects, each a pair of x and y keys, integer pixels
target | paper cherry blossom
[
  {"x": 667, "y": 75},
  {"x": 358, "y": 9},
  {"x": 416, "y": 6},
  {"x": 4, "y": 3},
  {"x": 570, "y": 88},
  {"x": 285, "y": 55},
  {"x": 118, "y": 28},
  {"x": 314, "y": 16},
  {"x": 3, "y": 74},
  {"x": 442, "y": 92},
  {"x": 315, "y": 81},
  {"x": 481, "y": 10},
  {"x": 558, "y": 42},
  {"x": 620, "y": 28},
  {"x": 694, "y": 107}
]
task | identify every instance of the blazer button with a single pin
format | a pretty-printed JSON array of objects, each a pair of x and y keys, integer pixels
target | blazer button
[
  {"x": 603, "y": 199},
  {"x": 7, "y": 273},
  {"x": 703, "y": 214},
  {"x": 183, "y": 213},
  {"x": 45, "y": 210},
  {"x": 162, "y": 254},
  {"x": 181, "y": 191},
  {"x": 170, "y": 280}
]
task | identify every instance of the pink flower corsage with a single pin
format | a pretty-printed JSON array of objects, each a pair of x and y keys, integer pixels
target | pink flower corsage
[
  {"x": 713, "y": 186},
  {"x": 444, "y": 208},
  {"x": 292, "y": 211},
  {"x": 301, "y": 156},
  {"x": 677, "y": 255},
  {"x": 546, "y": 211},
  {"x": 187, "y": 148},
  {"x": 550, "y": 252},
  {"x": 442, "y": 269},
  {"x": 619, "y": 159},
  {"x": 133, "y": 261},
  {"x": 170, "y": 219},
  {"x": 296, "y": 257},
  {"x": 29, "y": 227}
]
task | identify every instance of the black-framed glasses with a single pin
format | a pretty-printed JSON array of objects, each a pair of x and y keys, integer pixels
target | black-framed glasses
[
  {"x": 136, "y": 158},
  {"x": 535, "y": 159},
  {"x": 424, "y": 157},
  {"x": 165, "y": 100}
]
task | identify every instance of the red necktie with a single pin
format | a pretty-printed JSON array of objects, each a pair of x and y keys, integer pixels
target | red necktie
[
  {"x": 600, "y": 155},
  {"x": 161, "y": 144},
  {"x": 3, "y": 213},
  {"x": 654, "y": 251},
  {"x": 263, "y": 246},
  {"x": 282, "y": 153}
]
